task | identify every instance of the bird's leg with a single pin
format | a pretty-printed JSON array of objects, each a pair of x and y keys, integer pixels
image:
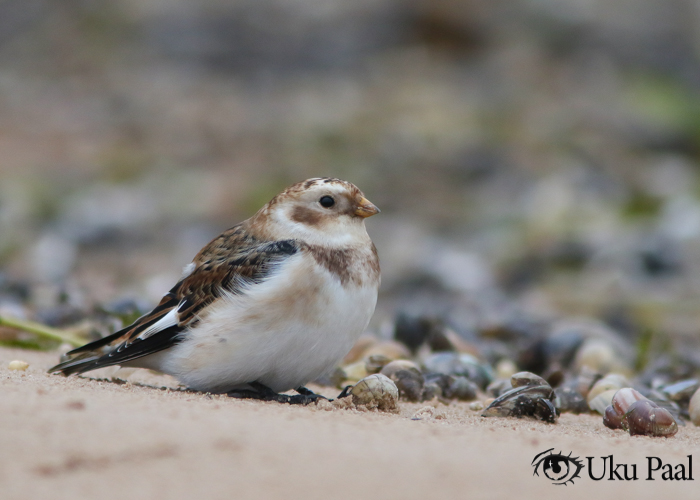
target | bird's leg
[{"x": 264, "y": 393}]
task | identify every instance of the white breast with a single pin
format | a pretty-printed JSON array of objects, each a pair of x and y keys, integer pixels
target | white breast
[{"x": 290, "y": 329}]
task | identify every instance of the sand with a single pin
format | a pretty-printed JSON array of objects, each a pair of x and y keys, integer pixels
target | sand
[{"x": 77, "y": 438}]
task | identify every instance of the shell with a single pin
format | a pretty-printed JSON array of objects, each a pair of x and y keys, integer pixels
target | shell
[
  {"x": 389, "y": 348},
  {"x": 461, "y": 388},
  {"x": 612, "y": 381},
  {"x": 407, "y": 377},
  {"x": 376, "y": 391},
  {"x": 624, "y": 398},
  {"x": 400, "y": 364},
  {"x": 612, "y": 419},
  {"x": 431, "y": 390},
  {"x": 602, "y": 401},
  {"x": 694, "y": 408},
  {"x": 361, "y": 346},
  {"x": 375, "y": 362},
  {"x": 526, "y": 401},
  {"x": 498, "y": 387},
  {"x": 682, "y": 391},
  {"x": 354, "y": 372},
  {"x": 586, "y": 380},
  {"x": 466, "y": 365},
  {"x": 645, "y": 418},
  {"x": 568, "y": 399},
  {"x": 521, "y": 379}
]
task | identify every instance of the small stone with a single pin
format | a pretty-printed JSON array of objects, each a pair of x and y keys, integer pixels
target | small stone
[
  {"x": 18, "y": 365},
  {"x": 476, "y": 406}
]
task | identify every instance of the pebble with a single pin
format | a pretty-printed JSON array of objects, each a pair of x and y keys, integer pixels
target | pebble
[{"x": 18, "y": 365}]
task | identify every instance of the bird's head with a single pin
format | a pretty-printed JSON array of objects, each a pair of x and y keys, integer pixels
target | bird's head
[{"x": 319, "y": 211}]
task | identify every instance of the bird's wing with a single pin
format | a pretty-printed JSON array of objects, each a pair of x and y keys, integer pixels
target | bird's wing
[{"x": 231, "y": 263}]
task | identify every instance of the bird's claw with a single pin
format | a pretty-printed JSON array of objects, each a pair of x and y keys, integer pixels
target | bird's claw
[{"x": 263, "y": 393}]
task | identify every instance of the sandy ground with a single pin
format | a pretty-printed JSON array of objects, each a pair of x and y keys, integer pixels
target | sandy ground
[{"x": 85, "y": 438}]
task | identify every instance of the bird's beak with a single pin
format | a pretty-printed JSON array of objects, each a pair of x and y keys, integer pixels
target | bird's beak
[{"x": 365, "y": 208}]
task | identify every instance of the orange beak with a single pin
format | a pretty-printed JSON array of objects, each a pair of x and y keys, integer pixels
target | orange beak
[{"x": 366, "y": 208}]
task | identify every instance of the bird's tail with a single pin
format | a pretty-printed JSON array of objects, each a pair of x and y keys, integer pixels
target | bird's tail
[
  {"x": 79, "y": 364},
  {"x": 88, "y": 357}
]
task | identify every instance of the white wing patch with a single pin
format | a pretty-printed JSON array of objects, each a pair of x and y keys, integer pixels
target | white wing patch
[
  {"x": 187, "y": 270},
  {"x": 170, "y": 319}
]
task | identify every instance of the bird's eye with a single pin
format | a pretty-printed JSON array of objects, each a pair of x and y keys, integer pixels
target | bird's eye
[{"x": 326, "y": 201}]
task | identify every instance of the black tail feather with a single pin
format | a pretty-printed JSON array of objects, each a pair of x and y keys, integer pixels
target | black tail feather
[
  {"x": 92, "y": 357},
  {"x": 78, "y": 365}
]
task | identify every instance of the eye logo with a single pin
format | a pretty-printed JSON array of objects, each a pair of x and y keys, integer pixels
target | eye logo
[{"x": 558, "y": 468}]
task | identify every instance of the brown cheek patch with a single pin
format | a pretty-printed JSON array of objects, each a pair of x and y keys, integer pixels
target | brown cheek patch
[{"x": 305, "y": 215}]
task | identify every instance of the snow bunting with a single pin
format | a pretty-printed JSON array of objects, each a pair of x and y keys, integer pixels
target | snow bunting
[{"x": 269, "y": 305}]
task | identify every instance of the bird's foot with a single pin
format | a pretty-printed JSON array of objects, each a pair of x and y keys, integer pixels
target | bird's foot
[
  {"x": 264, "y": 393},
  {"x": 345, "y": 392}
]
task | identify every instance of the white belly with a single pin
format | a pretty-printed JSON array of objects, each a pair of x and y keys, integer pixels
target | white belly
[{"x": 290, "y": 329}]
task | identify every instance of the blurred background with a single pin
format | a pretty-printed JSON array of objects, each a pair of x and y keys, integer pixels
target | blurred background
[{"x": 534, "y": 160}]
